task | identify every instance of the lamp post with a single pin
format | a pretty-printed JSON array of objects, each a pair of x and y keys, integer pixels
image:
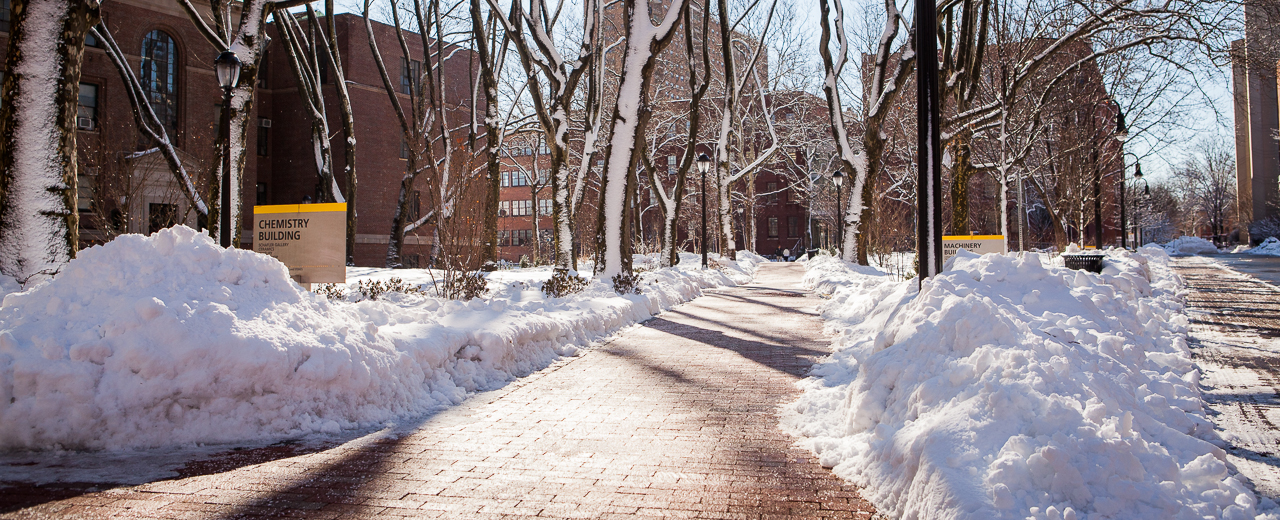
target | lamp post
[
  {"x": 1146, "y": 192},
  {"x": 704, "y": 164},
  {"x": 227, "y": 66},
  {"x": 1122, "y": 135},
  {"x": 837, "y": 178}
]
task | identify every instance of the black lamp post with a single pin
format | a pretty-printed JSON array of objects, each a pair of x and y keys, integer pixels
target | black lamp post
[
  {"x": 227, "y": 66},
  {"x": 1122, "y": 135},
  {"x": 1146, "y": 193},
  {"x": 704, "y": 164},
  {"x": 837, "y": 178}
]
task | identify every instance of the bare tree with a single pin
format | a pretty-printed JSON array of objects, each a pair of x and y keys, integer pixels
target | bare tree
[
  {"x": 553, "y": 84},
  {"x": 148, "y": 122},
  {"x": 1207, "y": 180},
  {"x": 644, "y": 41},
  {"x": 313, "y": 55},
  {"x": 248, "y": 39}
]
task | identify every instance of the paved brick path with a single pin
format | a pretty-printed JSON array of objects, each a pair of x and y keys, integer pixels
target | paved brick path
[
  {"x": 1235, "y": 339},
  {"x": 675, "y": 418}
]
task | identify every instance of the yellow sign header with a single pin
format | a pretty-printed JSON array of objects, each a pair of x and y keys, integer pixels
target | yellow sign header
[{"x": 301, "y": 208}]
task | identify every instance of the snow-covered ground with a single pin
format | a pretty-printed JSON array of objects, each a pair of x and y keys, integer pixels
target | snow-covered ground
[
  {"x": 1012, "y": 387},
  {"x": 1270, "y": 246},
  {"x": 1182, "y": 246},
  {"x": 171, "y": 340}
]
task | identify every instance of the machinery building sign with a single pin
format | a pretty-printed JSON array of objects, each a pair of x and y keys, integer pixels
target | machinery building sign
[
  {"x": 980, "y": 244},
  {"x": 311, "y": 239}
]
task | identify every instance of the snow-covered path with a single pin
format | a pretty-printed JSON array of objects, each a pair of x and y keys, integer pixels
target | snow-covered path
[
  {"x": 1235, "y": 337},
  {"x": 675, "y": 417}
]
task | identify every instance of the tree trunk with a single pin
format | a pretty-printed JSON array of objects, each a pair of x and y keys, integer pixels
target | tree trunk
[
  {"x": 39, "y": 226},
  {"x": 493, "y": 142},
  {"x": 643, "y": 44},
  {"x": 961, "y": 173}
]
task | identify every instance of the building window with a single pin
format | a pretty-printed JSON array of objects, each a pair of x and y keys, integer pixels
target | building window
[
  {"x": 504, "y": 238},
  {"x": 522, "y": 237},
  {"x": 160, "y": 216},
  {"x": 519, "y": 179},
  {"x": 545, "y": 236},
  {"x": 772, "y": 189},
  {"x": 773, "y": 227},
  {"x": 506, "y": 179},
  {"x": 544, "y": 207},
  {"x": 87, "y": 111},
  {"x": 410, "y": 71},
  {"x": 521, "y": 208},
  {"x": 409, "y": 261},
  {"x": 261, "y": 198},
  {"x": 504, "y": 208},
  {"x": 84, "y": 193},
  {"x": 5, "y": 13},
  {"x": 404, "y": 149},
  {"x": 264, "y": 138},
  {"x": 793, "y": 227},
  {"x": 671, "y": 164},
  {"x": 160, "y": 77}
]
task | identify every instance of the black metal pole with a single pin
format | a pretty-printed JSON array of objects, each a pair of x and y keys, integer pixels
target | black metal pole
[
  {"x": 224, "y": 222},
  {"x": 1097, "y": 200},
  {"x": 1124, "y": 224},
  {"x": 929, "y": 157},
  {"x": 704, "y": 217},
  {"x": 840, "y": 219}
]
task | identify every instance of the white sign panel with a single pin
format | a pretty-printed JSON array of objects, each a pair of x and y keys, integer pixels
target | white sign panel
[{"x": 980, "y": 244}]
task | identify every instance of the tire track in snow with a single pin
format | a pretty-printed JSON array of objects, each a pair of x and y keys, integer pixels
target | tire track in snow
[{"x": 1235, "y": 339}]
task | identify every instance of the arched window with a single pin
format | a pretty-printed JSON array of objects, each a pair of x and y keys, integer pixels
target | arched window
[{"x": 159, "y": 77}]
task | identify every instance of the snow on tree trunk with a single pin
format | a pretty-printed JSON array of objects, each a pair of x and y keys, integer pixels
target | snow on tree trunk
[
  {"x": 644, "y": 41},
  {"x": 38, "y": 220}
]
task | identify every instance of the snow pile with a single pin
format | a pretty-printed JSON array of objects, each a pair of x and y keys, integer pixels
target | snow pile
[
  {"x": 170, "y": 339},
  {"x": 1270, "y": 246},
  {"x": 1010, "y": 388},
  {"x": 8, "y": 285},
  {"x": 1183, "y": 246}
]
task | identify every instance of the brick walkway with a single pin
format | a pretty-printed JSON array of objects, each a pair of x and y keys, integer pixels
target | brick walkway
[
  {"x": 675, "y": 418},
  {"x": 1235, "y": 340}
]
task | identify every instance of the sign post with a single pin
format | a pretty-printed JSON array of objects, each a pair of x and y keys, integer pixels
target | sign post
[{"x": 310, "y": 239}]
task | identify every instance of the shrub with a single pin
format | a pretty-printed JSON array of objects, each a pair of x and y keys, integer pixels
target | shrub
[
  {"x": 563, "y": 284},
  {"x": 625, "y": 282},
  {"x": 464, "y": 285},
  {"x": 374, "y": 289},
  {"x": 332, "y": 291}
]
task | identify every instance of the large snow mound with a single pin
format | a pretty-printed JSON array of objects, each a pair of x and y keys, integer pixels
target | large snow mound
[
  {"x": 170, "y": 339},
  {"x": 1011, "y": 388},
  {"x": 1270, "y": 246},
  {"x": 1182, "y": 246}
]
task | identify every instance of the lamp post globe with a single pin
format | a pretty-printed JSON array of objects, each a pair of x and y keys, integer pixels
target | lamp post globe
[
  {"x": 704, "y": 164},
  {"x": 227, "y": 68}
]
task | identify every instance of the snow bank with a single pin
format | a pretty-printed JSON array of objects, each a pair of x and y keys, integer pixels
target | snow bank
[
  {"x": 170, "y": 339},
  {"x": 1270, "y": 246},
  {"x": 1183, "y": 246},
  {"x": 1010, "y": 388}
]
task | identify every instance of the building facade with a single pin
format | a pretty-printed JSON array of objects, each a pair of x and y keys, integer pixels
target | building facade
[
  {"x": 1257, "y": 117},
  {"x": 125, "y": 186}
]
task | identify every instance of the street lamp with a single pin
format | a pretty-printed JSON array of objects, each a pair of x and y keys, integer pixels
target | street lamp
[
  {"x": 1122, "y": 135},
  {"x": 1146, "y": 193},
  {"x": 227, "y": 66},
  {"x": 837, "y": 178},
  {"x": 704, "y": 164}
]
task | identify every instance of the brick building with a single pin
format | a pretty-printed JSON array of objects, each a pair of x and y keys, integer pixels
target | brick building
[{"x": 125, "y": 187}]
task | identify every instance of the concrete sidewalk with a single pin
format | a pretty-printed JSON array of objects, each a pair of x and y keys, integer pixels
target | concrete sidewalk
[
  {"x": 1235, "y": 339},
  {"x": 677, "y": 417}
]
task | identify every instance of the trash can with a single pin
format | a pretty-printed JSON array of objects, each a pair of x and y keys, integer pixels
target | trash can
[
  {"x": 812, "y": 253},
  {"x": 1091, "y": 262}
]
